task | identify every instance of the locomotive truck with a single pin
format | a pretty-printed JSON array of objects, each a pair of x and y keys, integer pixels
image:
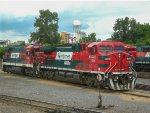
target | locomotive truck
[{"x": 93, "y": 64}]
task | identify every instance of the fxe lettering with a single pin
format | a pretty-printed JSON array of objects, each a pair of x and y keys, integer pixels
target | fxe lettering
[{"x": 64, "y": 56}]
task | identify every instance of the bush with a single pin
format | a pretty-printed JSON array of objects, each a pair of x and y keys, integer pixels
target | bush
[{"x": 2, "y": 49}]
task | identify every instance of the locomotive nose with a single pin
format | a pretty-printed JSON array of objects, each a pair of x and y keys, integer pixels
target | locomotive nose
[
  {"x": 122, "y": 71},
  {"x": 120, "y": 61}
]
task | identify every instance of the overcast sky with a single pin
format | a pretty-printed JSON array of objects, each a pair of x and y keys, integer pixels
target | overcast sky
[{"x": 17, "y": 17}]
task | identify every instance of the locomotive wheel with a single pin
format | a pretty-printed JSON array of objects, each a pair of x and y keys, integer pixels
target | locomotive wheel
[
  {"x": 88, "y": 82},
  {"x": 91, "y": 82},
  {"x": 23, "y": 71},
  {"x": 55, "y": 74},
  {"x": 4, "y": 68},
  {"x": 29, "y": 72},
  {"x": 82, "y": 80},
  {"x": 45, "y": 75},
  {"x": 96, "y": 83},
  {"x": 50, "y": 75}
]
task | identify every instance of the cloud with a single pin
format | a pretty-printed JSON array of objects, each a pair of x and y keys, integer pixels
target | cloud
[
  {"x": 13, "y": 36},
  {"x": 95, "y": 16},
  {"x": 24, "y": 8},
  {"x": 66, "y": 19},
  {"x": 23, "y": 25}
]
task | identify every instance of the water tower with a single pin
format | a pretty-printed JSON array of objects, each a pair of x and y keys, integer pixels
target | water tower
[{"x": 77, "y": 29}]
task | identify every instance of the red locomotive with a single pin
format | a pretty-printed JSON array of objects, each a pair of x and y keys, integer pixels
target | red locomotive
[
  {"x": 143, "y": 58},
  {"x": 105, "y": 63}
]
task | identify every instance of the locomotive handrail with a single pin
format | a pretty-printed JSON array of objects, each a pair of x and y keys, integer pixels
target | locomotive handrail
[
  {"x": 110, "y": 69},
  {"x": 132, "y": 69}
]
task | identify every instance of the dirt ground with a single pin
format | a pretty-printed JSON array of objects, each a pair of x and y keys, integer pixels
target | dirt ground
[
  {"x": 7, "y": 107},
  {"x": 67, "y": 94}
]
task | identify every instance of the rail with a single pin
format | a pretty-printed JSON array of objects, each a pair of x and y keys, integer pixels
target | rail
[
  {"x": 143, "y": 86},
  {"x": 47, "y": 106}
]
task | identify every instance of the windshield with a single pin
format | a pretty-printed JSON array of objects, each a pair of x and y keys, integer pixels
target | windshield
[
  {"x": 105, "y": 48},
  {"x": 119, "y": 48},
  {"x": 29, "y": 53}
]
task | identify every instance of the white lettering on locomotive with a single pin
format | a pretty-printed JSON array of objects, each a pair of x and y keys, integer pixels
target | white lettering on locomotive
[
  {"x": 64, "y": 55},
  {"x": 14, "y": 55},
  {"x": 66, "y": 63},
  {"x": 92, "y": 56}
]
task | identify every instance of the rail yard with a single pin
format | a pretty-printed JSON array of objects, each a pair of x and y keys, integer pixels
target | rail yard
[
  {"x": 74, "y": 56},
  {"x": 72, "y": 96},
  {"x": 82, "y": 78}
]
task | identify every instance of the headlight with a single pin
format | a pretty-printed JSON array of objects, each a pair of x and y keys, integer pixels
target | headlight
[
  {"x": 119, "y": 55},
  {"x": 107, "y": 59},
  {"x": 129, "y": 58}
]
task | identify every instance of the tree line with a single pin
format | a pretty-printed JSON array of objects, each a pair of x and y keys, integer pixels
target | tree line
[
  {"x": 126, "y": 30},
  {"x": 130, "y": 31}
]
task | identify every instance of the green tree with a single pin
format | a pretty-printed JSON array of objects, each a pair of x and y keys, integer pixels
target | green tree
[
  {"x": 125, "y": 30},
  {"x": 46, "y": 28},
  {"x": 2, "y": 49},
  {"x": 143, "y": 30},
  {"x": 147, "y": 39},
  {"x": 98, "y": 40},
  {"x": 129, "y": 31},
  {"x": 90, "y": 38},
  {"x": 144, "y": 41}
]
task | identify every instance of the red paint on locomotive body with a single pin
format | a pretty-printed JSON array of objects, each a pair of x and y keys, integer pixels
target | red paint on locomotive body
[
  {"x": 142, "y": 54},
  {"x": 104, "y": 57}
]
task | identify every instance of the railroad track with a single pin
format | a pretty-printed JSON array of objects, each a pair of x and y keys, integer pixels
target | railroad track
[
  {"x": 49, "y": 107},
  {"x": 145, "y": 75},
  {"x": 143, "y": 86}
]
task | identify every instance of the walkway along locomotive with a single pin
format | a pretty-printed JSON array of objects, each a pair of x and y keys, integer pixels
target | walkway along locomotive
[{"x": 95, "y": 63}]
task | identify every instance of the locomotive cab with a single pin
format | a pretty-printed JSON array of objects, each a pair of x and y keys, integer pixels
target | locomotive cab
[{"x": 115, "y": 66}]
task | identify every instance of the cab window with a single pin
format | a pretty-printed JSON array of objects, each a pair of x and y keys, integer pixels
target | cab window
[
  {"x": 29, "y": 53},
  {"x": 119, "y": 48},
  {"x": 105, "y": 48}
]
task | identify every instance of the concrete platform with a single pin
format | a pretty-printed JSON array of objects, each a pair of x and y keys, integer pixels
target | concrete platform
[{"x": 71, "y": 95}]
